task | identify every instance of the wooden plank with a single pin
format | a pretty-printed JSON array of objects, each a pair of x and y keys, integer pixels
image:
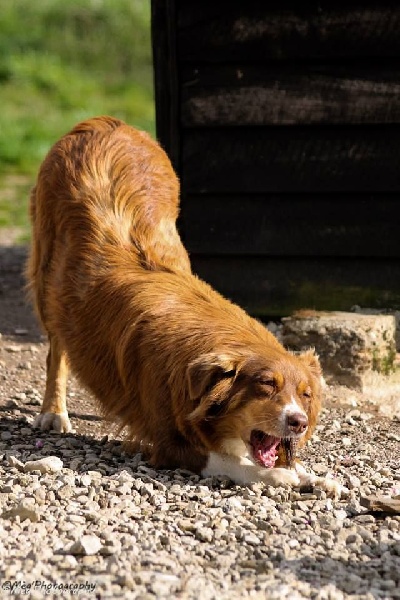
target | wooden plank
[
  {"x": 382, "y": 503},
  {"x": 265, "y": 95},
  {"x": 163, "y": 30},
  {"x": 291, "y": 159},
  {"x": 292, "y": 225},
  {"x": 273, "y": 286},
  {"x": 230, "y": 30}
]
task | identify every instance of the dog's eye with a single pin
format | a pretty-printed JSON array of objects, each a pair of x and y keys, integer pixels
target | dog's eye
[
  {"x": 307, "y": 394},
  {"x": 268, "y": 386},
  {"x": 268, "y": 382}
]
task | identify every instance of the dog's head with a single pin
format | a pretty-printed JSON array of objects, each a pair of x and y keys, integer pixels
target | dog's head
[{"x": 255, "y": 405}]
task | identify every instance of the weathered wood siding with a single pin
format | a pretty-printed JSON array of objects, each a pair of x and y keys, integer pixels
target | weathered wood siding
[{"x": 283, "y": 121}]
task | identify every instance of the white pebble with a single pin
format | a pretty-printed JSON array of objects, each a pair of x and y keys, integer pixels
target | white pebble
[
  {"x": 86, "y": 545},
  {"x": 48, "y": 464}
]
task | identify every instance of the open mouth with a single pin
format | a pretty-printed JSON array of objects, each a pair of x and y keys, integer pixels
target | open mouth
[{"x": 265, "y": 448}]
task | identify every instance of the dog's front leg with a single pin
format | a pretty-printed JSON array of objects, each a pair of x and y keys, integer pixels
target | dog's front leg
[
  {"x": 244, "y": 472},
  {"x": 53, "y": 415}
]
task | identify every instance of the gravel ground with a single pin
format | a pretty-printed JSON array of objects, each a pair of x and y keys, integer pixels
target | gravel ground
[{"x": 94, "y": 521}]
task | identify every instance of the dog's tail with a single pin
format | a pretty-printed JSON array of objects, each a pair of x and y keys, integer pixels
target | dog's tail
[{"x": 36, "y": 263}]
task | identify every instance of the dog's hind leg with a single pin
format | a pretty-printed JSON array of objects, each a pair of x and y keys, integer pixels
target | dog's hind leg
[{"x": 54, "y": 415}]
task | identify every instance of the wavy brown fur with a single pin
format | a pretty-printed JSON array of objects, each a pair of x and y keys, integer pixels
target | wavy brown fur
[{"x": 166, "y": 356}]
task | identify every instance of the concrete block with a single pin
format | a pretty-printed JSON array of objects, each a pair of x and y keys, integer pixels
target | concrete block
[
  {"x": 382, "y": 311},
  {"x": 351, "y": 346}
]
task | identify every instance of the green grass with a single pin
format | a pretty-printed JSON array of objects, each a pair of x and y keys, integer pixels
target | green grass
[{"x": 62, "y": 61}]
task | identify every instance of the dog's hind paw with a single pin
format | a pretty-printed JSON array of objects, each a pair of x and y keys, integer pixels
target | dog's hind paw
[{"x": 53, "y": 422}]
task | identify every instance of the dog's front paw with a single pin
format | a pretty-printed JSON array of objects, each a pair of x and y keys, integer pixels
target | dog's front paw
[
  {"x": 53, "y": 422},
  {"x": 329, "y": 485},
  {"x": 281, "y": 477},
  {"x": 332, "y": 487}
]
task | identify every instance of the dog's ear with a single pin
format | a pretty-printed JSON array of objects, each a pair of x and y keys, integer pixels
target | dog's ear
[
  {"x": 207, "y": 370},
  {"x": 311, "y": 360}
]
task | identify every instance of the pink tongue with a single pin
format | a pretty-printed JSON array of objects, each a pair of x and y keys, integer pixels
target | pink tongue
[{"x": 264, "y": 449}]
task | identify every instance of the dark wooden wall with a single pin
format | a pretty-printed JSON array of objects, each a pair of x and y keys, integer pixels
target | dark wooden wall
[{"x": 283, "y": 122}]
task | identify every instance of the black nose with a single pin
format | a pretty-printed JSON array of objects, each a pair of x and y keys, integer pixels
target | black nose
[{"x": 297, "y": 422}]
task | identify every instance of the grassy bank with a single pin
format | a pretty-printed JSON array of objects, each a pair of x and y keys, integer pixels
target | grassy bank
[{"x": 61, "y": 62}]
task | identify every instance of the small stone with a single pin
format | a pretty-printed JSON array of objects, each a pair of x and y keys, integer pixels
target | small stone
[
  {"x": 354, "y": 538},
  {"x": 76, "y": 519},
  {"x": 346, "y": 441},
  {"x": 75, "y": 463},
  {"x": 364, "y": 519},
  {"x": 251, "y": 539},
  {"x": 40, "y": 496},
  {"x": 110, "y": 549},
  {"x": 127, "y": 581},
  {"x": 355, "y": 414},
  {"x": 385, "y": 472},
  {"x": 204, "y": 534},
  {"x": 87, "y": 545},
  {"x": 69, "y": 562},
  {"x": 24, "y": 510},
  {"x": 330, "y": 523},
  {"x": 86, "y": 480},
  {"x": 25, "y": 366},
  {"x": 48, "y": 464},
  {"x": 340, "y": 514},
  {"x": 320, "y": 469},
  {"x": 7, "y": 489},
  {"x": 5, "y": 436},
  {"x": 13, "y": 461},
  {"x": 33, "y": 401},
  {"x": 13, "y": 349},
  {"x": 233, "y": 504},
  {"x": 272, "y": 327},
  {"x": 12, "y": 403},
  {"x": 353, "y": 482}
]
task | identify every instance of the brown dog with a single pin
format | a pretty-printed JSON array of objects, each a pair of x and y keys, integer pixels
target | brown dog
[{"x": 188, "y": 374}]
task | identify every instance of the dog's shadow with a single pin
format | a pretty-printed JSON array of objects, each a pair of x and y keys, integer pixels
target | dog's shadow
[
  {"x": 365, "y": 575},
  {"x": 107, "y": 456}
]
